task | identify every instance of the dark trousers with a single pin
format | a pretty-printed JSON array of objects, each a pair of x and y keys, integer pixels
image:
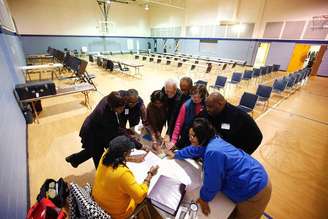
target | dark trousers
[{"x": 86, "y": 154}]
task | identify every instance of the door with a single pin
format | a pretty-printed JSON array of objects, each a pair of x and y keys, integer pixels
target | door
[
  {"x": 299, "y": 55},
  {"x": 262, "y": 54}
]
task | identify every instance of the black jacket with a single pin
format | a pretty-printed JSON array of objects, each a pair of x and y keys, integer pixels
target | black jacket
[
  {"x": 173, "y": 107},
  {"x": 101, "y": 126},
  {"x": 236, "y": 127}
]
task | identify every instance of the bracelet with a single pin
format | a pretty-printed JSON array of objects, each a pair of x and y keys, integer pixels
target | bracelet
[{"x": 150, "y": 173}]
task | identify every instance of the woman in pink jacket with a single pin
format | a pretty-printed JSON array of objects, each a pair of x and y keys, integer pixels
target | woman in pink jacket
[{"x": 187, "y": 113}]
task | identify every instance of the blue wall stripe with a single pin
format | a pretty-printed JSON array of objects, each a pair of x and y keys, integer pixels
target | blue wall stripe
[{"x": 191, "y": 38}]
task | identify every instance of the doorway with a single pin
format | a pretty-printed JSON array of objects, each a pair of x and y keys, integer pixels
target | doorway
[
  {"x": 261, "y": 55},
  {"x": 299, "y": 56}
]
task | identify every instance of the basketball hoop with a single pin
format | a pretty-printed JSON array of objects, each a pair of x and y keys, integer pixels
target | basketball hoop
[
  {"x": 104, "y": 27},
  {"x": 320, "y": 22}
]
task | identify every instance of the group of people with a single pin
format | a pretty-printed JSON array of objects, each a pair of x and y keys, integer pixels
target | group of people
[{"x": 198, "y": 125}]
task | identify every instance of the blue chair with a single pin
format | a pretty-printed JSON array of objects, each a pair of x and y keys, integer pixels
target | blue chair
[
  {"x": 201, "y": 82},
  {"x": 290, "y": 82},
  {"x": 219, "y": 83},
  {"x": 247, "y": 76},
  {"x": 279, "y": 86},
  {"x": 263, "y": 70},
  {"x": 264, "y": 92},
  {"x": 256, "y": 73},
  {"x": 247, "y": 102},
  {"x": 275, "y": 67},
  {"x": 235, "y": 78}
]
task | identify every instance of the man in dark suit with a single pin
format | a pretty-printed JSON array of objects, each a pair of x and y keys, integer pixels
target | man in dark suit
[{"x": 98, "y": 129}]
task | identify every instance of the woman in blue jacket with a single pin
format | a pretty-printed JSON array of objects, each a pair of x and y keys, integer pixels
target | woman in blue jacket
[{"x": 228, "y": 170}]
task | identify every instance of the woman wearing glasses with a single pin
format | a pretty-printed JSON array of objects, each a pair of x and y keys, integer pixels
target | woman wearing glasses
[{"x": 228, "y": 170}]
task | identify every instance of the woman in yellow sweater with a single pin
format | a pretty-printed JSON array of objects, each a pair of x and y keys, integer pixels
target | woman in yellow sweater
[{"x": 115, "y": 188}]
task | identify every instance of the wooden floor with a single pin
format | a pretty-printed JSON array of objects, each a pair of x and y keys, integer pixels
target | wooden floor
[{"x": 294, "y": 149}]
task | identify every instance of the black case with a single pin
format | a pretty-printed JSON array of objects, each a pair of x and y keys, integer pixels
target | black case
[{"x": 35, "y": 89}]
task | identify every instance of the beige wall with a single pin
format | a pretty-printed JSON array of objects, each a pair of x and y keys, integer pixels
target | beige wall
[
  {"x": 82, "y": 16},
  {"x": 210, "y": 12},
  {"x": 77, "y": 17}
]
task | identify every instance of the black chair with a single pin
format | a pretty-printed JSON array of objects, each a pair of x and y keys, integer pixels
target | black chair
[
  {"x": 264, "y": 92},
  {"x": 151, "y": 59},
  {"x": 99, "y": 62},
  {"x": 159, "y": 61},
  {"x": 122, "y": 68},
  {"x": 224, "y": 66},
  {"x": 144, "y": 58},
  {"x": 168, "y": 62},
  {"x": 234, "y": 65},
  {"x": 179, "y": 64},
  {"x": 209, "y": 68},
  {"x": 247, "y": 102},
  {"x": 110, "y": 65},
  {"x": 196, "y": 61},
  {"x": 104, "y": 63},
  {"x": 91, "y": 58},
  {"x": 219, "y": 83},
  {"x": 192, "y": 67},
  {"x": 136, "y": 56}
]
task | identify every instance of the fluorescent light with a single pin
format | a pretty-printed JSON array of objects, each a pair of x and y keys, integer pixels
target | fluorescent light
[{"x": 146, "y": 7}]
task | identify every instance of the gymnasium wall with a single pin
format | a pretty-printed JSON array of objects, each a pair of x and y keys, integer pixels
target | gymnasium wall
[
  {"x": 209, "y": 20},
  {"x": 13, "y": 162},
  {"x": 34, "y": 44},
  {"x": 77, "y": 17}
]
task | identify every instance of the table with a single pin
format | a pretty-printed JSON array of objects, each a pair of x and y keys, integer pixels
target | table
[
  {"x": 84, "y": 88},
  {"x": 188, "y": 172},
  {"x": 41, "y": 68}
]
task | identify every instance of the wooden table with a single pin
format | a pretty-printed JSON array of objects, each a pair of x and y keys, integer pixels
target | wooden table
[
  {"x": 41, "y": 68},
  {"x": 84, "y": 88}
]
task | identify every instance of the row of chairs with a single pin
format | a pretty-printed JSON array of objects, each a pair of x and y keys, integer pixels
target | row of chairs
[
  {"x": 263, "y": 93},
  {"x": 237, "y": 77}
]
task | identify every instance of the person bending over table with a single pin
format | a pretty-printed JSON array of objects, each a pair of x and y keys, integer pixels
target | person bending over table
[
  {"x": 156, "y": 116},
  {"x": 134, "y": 109},
  {"x": 101, "y": 126},
  {"x": 115, "y": 188},
  {"x": 228, "y": 170},
  {"x": 187, "y": 113},
  {"x": 231, "y": 123}
]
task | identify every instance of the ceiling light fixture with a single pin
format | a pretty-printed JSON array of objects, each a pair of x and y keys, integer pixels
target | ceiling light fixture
[{"x": 146, "y": 7}]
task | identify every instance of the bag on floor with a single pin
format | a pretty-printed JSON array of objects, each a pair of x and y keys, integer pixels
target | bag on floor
[
  {"x": 56, "y": 191},
  {"x": 45, "y": 209}
]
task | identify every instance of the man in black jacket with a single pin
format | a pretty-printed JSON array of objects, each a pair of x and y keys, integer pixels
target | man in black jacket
[
  {"x": 172, "y": 98},
  {"x": 98, "y": 129},
  {"x": 232, "y": 124}
]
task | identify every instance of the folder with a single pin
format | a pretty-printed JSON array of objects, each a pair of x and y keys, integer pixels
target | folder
[{"x": 167, "y": 194}]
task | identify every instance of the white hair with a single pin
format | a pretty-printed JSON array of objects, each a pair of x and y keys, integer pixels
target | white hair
[{"x": 171, "y": 82}]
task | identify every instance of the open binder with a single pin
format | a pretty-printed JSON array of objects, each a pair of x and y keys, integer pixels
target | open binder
[{"x": 167, "y": 194}]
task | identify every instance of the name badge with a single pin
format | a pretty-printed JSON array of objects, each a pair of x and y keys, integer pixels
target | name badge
[
  {"x": 225, "y": 126},
  {"x": 126, "y": 112}
]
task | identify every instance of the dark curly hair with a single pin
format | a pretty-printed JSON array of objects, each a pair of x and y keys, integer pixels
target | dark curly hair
[
  {"x": 115, "y": 100},
  {"x": 203, "y": 130},
  {"x": 157, "y": 95}
]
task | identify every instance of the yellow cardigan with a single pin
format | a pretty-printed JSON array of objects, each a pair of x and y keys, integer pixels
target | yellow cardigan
[{"x": 117, "y": 191}]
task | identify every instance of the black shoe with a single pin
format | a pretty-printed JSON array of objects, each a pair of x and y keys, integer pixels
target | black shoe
[{"x": 70, "y": 159}]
